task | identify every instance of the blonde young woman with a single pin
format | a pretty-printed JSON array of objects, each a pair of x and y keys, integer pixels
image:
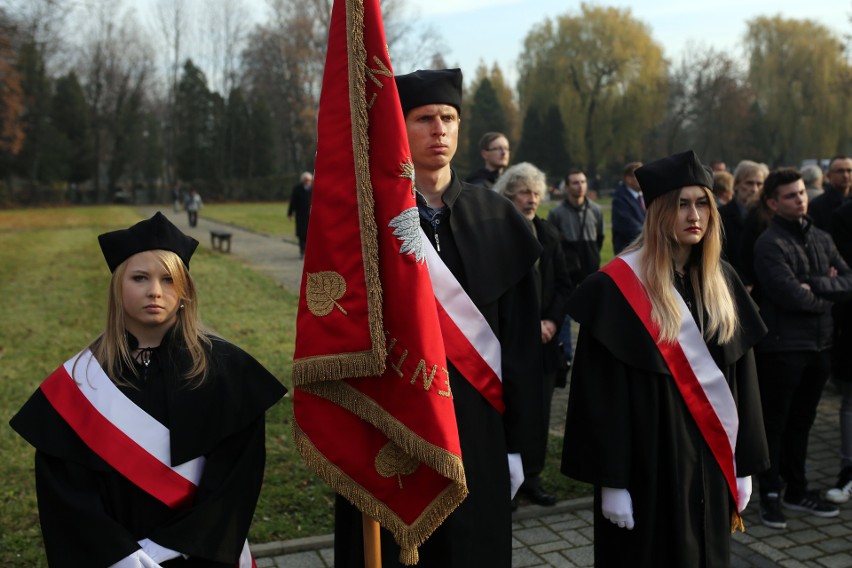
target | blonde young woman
[
  {"x": 150, "y": 442},
  {"x": 664, "y": 412}
]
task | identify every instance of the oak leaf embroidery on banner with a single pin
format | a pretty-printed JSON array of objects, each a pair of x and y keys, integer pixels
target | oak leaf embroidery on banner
[
  {"x": 393, "y": 461},
  {"x": 322, "y": 290},
  {"x": 406, "y": 227}
]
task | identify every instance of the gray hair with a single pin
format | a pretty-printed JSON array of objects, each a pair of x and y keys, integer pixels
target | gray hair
[
  {"x": 812, "y": 175},
  {"x": 521, "y": 175},
  {"x": 748, "y": 168},
  {"x": 305, "y": 176}
]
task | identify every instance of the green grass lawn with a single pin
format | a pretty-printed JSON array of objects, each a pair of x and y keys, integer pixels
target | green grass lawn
[{"x": 54, "y": 287}]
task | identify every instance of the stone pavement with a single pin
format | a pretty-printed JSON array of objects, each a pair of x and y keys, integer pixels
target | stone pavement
[{"x": 562, "y": 535}]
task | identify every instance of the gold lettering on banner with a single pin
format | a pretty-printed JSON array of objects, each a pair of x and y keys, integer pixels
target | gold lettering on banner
[
  {"x": 421, "y": 371},
  {"x": 398, "y": 366},
  {"x": 382, "y": 70},
  {"x": 427, "y": 379},
  {"x": 371, "y": 74},
  {"x": 392, "y": 460},
  {"x": 447, "y": 393}
]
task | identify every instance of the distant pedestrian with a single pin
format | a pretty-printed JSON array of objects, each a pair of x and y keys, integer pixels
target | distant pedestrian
[
  {"x": 628, "y": 209},
  {"x": 193, "y": 206},
  {"x": 300, "y": 205},
  {"x": 813, "y": 178}
]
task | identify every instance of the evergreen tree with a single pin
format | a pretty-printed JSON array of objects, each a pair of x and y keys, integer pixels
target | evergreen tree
[
  {"x": 195, "y": 126},
  {"x": 262, "y": 140},
  {"x": 486, "y": 115},
  {"x": 70, "y": 117}
]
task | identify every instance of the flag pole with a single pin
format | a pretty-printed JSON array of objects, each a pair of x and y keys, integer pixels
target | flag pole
[{"x": 372, "y": 542}]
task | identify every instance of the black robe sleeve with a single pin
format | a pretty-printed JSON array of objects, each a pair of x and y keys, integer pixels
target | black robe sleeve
[{"x": 76, "y": 527}]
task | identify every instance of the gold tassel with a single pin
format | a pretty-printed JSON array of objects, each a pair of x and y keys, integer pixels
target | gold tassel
[
  {"x": 737, "y": 523},
  {"x": 409, "y": 556}
]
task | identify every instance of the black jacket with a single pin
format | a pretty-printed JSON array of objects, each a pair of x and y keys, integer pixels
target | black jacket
[
  {"x": 733, "y": 224},
  {"x": 483, "y": 177},
  {"x": 841, "y": 232},
  {"x": 555, "y": 284},
  {"x": 786, "y": 256},
  {"x": 821, "y": 208}
]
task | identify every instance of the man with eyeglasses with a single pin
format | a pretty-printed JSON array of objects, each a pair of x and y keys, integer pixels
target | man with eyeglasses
[
  {"x": 494, "y": 148},
  {"x": 836, "y": 194}
]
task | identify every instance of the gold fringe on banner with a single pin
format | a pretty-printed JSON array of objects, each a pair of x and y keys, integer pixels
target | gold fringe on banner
[{"x": 409, "y": 537}]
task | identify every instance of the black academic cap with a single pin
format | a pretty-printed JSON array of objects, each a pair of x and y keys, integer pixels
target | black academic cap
[
  {"x": 152, "y": 234},
  {"x": 671, "y": 173},
  {"x": 430, "y": 87}
]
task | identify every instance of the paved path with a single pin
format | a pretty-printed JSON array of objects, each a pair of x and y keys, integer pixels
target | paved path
[{"x": 562, "y": 535}]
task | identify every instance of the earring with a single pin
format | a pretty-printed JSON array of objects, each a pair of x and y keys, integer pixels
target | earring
[{"x": 182, "y": 306}]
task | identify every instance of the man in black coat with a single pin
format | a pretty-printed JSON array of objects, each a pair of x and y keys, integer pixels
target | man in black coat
[
  {"x": 801, "y": 275},
  {"x": 748, "y": 180},
  {"x": 300, "y": 204},
  {"x": 525, "y": 186},
  {"x": 836, "y": 194},
  {"x": 494, "y": 148},
  {"x": 628, "y": 209},
  {"x": 488, "y": 248}
]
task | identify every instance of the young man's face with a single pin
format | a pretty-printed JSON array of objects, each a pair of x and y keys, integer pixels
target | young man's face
[
  {"x": 433, "y": 135},
  {"x": 496, "y": 156},
  {"x": 791, "y": 201},
  {"x": 577, "y": 186}
]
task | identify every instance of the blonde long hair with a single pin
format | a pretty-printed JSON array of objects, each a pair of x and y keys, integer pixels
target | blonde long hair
[
  {"x": 111, "y": 348},
  {"x": 657, "y": 245}
]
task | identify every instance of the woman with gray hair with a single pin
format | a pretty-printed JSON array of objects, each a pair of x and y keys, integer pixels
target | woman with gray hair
[{"x": 525, "y": 186}]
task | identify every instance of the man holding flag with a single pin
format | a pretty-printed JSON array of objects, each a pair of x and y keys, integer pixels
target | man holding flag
[
  {"x": 470, "y": 230},
  {"x": 413, "y": 353}
]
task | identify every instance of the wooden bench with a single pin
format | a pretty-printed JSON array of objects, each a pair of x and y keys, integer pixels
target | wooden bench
[{"x": 219, "y": 240}]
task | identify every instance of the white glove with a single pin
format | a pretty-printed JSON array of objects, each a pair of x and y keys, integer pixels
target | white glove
[
  {"x": 136, "y": 560},
  {"x": 157, "y": 552},
  {"x": 743, "y": 492},
  {"x": 516, "y": 474},
  {"x": 617, "y": 506}
]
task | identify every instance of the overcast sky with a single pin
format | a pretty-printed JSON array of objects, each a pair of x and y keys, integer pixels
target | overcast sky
[{"x": 494, "y": 30}]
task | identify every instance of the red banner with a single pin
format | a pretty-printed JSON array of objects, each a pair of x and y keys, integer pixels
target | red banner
[{"x": 373, "y": 406}]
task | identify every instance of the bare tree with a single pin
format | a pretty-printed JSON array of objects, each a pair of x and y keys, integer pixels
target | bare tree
[
  {"x": 227, "y": 28},
  {"x": 171, "y": 22},
  {"x": 116, "y": 66}
]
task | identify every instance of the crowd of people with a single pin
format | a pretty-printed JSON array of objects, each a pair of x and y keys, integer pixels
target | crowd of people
[{"x": 703, "y": 350}]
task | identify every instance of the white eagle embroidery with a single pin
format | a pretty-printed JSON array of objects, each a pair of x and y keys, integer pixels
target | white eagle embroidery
[{"x": 406, "y": 227}]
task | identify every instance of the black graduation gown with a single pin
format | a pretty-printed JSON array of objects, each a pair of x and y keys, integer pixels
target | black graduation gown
[
  {"x": 627, "y": 426},
  {"x": 93, "y": 516},
  {"x": 491, "y": 251}
]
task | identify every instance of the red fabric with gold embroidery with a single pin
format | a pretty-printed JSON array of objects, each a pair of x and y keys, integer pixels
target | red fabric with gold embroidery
[{"x": 373, "y": 407}]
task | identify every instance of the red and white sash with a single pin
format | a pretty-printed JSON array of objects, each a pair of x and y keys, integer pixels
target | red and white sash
[
  {"x": 469, "y": 341},
  {"x": 124, "y": 435},
  {"x": 700, "y": 381}
]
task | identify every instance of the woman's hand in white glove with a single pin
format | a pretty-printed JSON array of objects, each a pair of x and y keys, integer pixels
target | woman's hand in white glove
[{"x": 617, "y": 506}]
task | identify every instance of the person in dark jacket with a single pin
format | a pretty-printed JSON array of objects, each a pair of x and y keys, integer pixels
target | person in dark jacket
[
  {"x": 494, "y": 148},
  {"x": 628, "y": 209},
  {"x": 525, "y": 186},
  {"x": 841, "y": 368},
  {"x": 801, "y": 275},
  {"x": 300, "y": 205},
  {"x": 837, "y": 193},
  {"x": 486, "y": 244},
  {"x": 748, "y": 183},
  {"x": 660, "y": 324}
]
